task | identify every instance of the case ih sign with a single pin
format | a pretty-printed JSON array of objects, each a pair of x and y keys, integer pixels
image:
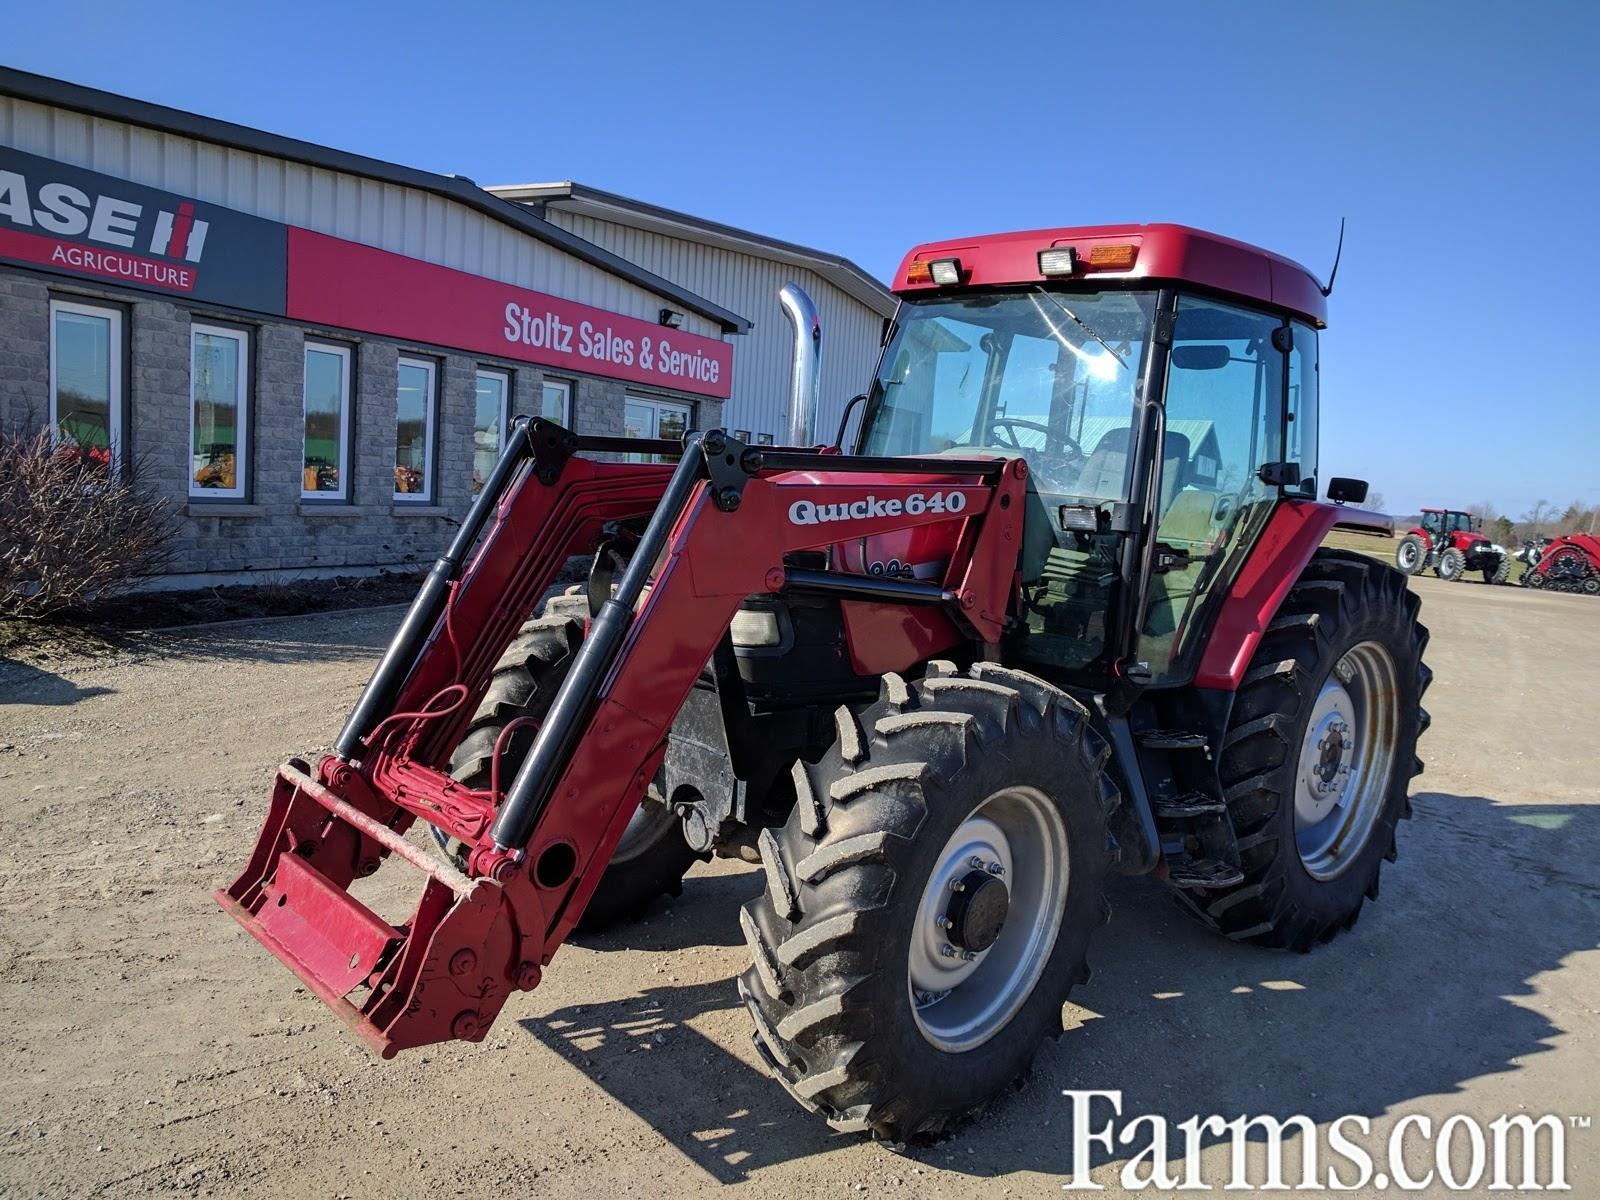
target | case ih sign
[
  {"x": 68, "y": 220},
  {"x": 79, "y": 222}
]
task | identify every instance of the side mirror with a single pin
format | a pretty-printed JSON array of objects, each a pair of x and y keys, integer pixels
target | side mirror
[
  {"x": 1200, "y": 358},
  {"x": 844, "y": 419},
  {"x": 1347, "y": 491}
]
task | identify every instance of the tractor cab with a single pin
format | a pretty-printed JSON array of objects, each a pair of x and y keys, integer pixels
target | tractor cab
[
  {"x": 1139, "y": 390},
  {"x": 1442, "y": 523}
]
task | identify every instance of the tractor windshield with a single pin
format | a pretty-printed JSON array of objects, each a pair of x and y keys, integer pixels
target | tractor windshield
[{"x": 1045, "y": 375}]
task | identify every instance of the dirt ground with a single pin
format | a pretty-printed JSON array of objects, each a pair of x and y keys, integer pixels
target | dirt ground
[{"x": 147, "y": 1044}]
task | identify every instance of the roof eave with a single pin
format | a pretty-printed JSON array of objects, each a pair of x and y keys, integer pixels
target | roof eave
[
  {"x": 41, "y": 89},
  {"x": 840, "y": 271}
]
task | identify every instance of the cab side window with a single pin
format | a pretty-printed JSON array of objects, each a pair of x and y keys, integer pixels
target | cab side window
[
  {"x": 1225, "y": 420},
  {"x": 1301, "y": 432}
]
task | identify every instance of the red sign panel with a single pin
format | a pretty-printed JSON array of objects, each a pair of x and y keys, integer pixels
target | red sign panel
[
  {"x": 351, "y": 286},
  {"x": 62, "y": 255}
]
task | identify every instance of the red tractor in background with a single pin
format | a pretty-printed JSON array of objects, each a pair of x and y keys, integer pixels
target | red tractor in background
[
  {"x": 1451, "y": 543},
  {"x": 1061, "y": 610},
  {"x": 1566, "y": 564}
]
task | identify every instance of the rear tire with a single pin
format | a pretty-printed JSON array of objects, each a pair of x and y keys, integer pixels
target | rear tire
[
  {"x": 652, "y": 857},
  {"x": 1411, "y": 555},
  {"x": 858, "y": 877},
  {"x": 1452, "y": 565},
  {"x": 1306, "y": 878}
]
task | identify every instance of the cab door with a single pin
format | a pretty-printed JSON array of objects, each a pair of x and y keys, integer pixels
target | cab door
[{"x": 1226, "y": 411}]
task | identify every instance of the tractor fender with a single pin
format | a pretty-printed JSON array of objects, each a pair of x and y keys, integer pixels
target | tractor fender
[{"x": 1291, "y": 537}]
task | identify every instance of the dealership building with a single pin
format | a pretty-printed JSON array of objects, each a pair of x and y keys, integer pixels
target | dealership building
[{"x": 315, "y": 355}]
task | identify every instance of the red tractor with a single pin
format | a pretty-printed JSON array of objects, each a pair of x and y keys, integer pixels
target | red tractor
[
  {"x": 1450, "y": 543},
  {"x": 1566, "y": 564},
  {"x": 1060, "y": 611}
]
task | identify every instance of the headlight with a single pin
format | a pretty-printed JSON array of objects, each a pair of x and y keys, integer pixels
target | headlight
[
  {"x": 1497, "y": 547},
  {"x": 755, "y": 627}
]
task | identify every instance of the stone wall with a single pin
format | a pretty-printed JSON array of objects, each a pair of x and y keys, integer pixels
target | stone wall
[{"x": 273, "y": 529}]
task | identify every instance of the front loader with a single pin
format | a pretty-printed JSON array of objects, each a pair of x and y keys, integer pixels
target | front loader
[{"x": 1062, "y": 612}]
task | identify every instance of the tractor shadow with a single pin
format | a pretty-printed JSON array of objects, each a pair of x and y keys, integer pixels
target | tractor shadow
[
  {"x": 705, "y": 915},
  {"x": 1418, "y": 1000}
]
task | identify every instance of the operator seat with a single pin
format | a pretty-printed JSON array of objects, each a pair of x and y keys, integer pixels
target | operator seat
[{"x": 1106, "y": 468}]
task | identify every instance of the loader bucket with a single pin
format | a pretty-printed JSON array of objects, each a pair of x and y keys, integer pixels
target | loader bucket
[{"x": 443, "y": 974}]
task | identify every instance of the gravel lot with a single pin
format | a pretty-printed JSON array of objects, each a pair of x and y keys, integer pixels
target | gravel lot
[{"x": 149, "y": 1045}]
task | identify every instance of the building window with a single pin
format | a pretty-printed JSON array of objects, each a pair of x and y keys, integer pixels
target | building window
[
  {"x": 414, "y": 430},
  {"x": 489, "y": 424},
  {"x": 86, "y": 379},
  {"x": 743, "y": 435},
  {"x": 643, "y": 418},
  {"x": 763, "y": 439},
  {"x": 556, "y": 404},
  {"x": 219, "y": 368},
  {"x": 327, "y": 418}
]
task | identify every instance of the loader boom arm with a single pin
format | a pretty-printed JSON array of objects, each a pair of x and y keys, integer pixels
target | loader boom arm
[{"x": 720, "y": 525}]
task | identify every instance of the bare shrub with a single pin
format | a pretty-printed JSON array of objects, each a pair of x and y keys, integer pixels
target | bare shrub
[{"x": 71, "y": 530}]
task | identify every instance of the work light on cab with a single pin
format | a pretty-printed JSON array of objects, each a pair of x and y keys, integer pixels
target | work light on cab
[
  {"x": 1058, "y": 260},
  {"x": 945, "y": 271}
]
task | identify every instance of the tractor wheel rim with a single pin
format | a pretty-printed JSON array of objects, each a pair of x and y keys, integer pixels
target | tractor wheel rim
[
  {"x": 646, "y": 824},
  {"x": 1408, "y": 556},
  {"x": 962, "y": 997},
  {"x": 1346, "y": 759}
]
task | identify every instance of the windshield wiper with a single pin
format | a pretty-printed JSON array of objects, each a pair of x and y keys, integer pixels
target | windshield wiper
[{"x": 1081, "y": 324}]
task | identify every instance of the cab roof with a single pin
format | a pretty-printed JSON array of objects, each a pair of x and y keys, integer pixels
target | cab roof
[{"x": 1164, "y": 252}]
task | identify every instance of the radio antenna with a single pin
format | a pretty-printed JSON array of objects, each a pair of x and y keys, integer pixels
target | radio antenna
[{"x": 1338, "y": 250}]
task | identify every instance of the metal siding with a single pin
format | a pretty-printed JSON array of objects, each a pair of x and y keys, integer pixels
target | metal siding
[
  {"x": 395, "y": 218},
  {"x": 749, "y": 285}
]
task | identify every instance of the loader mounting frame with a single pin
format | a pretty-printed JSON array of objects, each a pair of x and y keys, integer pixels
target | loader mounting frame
[{"x": 537, "y": 852}]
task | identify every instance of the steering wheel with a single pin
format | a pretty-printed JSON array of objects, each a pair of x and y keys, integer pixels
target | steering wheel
[
  {"x": 1070, "y": 451},
  {"x": 1061, "y": 465}
]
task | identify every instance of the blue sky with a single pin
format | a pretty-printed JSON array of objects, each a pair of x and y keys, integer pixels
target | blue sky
[{"x": 1459, "y": 140}]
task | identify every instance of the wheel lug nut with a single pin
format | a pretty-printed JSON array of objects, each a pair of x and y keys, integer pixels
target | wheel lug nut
[
  {"x": 996, "y": 869},
  {"x": 947, "y": 950},
  {"x": 944, "y": 922},
  {"x": 957, "y": 886},
  {"x": 975, "y": 863},
  {"x": 968, "y": 956}
]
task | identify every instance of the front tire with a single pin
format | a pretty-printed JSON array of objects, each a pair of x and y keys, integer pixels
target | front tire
[
  {"x": 1452, "y": 565},
  {"x": 652, "y": 857},
  {"x": 867, "y": 1008},
  {"x": 1319, "y": 754},
  {"x": 1500, "y": 572}
]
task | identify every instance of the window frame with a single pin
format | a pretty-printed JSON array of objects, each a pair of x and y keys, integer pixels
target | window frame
[
  {"x": 241, "y": 449},
  {"x": 503, "y": 427},
  {"x": 568, "y": 390},
  {"x": 346, "y": 356},
  {"x": 430, "y": 431},
  {"x": 117, "y": 395},
  {"x": 656, "y": 404}
]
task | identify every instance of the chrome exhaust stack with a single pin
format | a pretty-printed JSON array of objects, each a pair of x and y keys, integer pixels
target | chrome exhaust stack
[{"x": 807, "y": 374}]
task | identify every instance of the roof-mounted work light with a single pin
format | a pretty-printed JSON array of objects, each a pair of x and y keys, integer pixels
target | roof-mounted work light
[
  {"x": 945, "y": 271},
  {"x": 1058, "y": 260}
]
